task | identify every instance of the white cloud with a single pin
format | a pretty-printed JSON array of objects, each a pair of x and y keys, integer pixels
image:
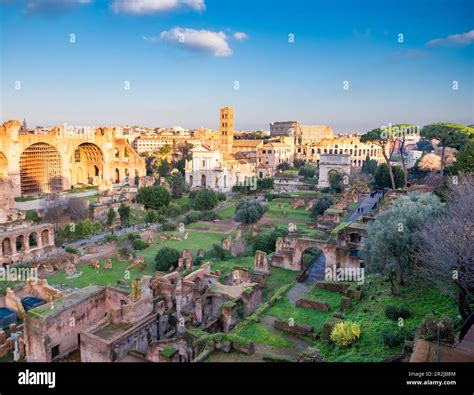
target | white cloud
[
  {"x": 214, "y": 43},
  {"x": 462, "y": 39},
  {"x": 138, "y": 7},
  {"x": 240, "y": 36}
]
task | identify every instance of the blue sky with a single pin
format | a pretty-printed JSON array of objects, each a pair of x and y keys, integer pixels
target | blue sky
[{"x": 184, "y": 83}]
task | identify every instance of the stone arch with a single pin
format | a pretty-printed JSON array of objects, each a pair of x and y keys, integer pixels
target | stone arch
[
  {"x": 116, "y": 153},
  {"x": 3, "y": 166},
  {"x": 33, "y": 239},
  {"x": 6, "y": 247},
  {"x": 117, "y": 175},
  {"x": 203, "y": 180},
  {"x": 40, "y": 169},
  {"x": 20, "y": 243},
  {"x": 126, "y": 154},
  {"x": 191, "y": 178},
  {"x": 216, "y": 184},
  {"x": 90, "y": 158},
  {"x": 45, "y": 237}
]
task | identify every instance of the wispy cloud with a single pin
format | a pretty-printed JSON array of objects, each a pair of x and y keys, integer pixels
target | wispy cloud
[
  {"x": 462, "y": 39},
  {"x": 240, "y": 36},
  {"x": 52, "y": 6},
  {"x": 206, "y": 41},
  {"x": 143, "y": 7}
]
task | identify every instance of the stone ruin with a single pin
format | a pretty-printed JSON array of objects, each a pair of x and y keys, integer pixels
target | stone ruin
[
  {"x": 136, "y": 261},
  {"x": 94, "y": 264},
  {"x": 201, "y": 253},
  {"x": 237, "y": 246},
  {"x": 165, "y": 236},
  {"x": 8, "y": 213},
  {"x": 297, "y": 203},
  {"x": 260, "y": 262},
  {"x": 186, "y": 260}
]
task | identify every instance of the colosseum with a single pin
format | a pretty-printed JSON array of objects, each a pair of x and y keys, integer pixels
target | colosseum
[{"x": 59, "y": 160}]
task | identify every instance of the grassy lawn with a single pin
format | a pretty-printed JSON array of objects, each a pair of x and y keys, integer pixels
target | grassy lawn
[
  {"x": 227, "y": 212},
  {"x": 257, "y": 333},
  {"x": 208, "y": 226},
  {"x": 83, "y": 189},
  {"x": 137, "y": 217},
  {"x": 101, "y": 276},
  {"x": 293, "y": 214},
  {"x": 277, "y": 278},
  {"x": 91, "y": 199},
  {"x": 196, "y": 240},
  {"x": 369, "y": 312}
]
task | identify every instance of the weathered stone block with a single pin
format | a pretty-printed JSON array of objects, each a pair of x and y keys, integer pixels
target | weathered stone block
[
  {"x": 313, "y": 304},
  {"x": 345, "y": 303}
]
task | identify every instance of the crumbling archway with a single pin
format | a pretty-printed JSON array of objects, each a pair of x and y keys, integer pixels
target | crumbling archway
[
  {"x": 89, "y": 163},
  {"x": 40, "y": 169}
]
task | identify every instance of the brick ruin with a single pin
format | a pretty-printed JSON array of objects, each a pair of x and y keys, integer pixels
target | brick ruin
[{"x": 21, "y": 241}]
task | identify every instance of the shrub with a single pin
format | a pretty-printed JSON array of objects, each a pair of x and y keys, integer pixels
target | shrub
[
  {"x": 395, "y": 312},
  {"x": 382, "y": 176},
  {"x": 249, "y": 211},
  {"x": 192, "y": 216},
  {"x": 124, "y": 251},
  {"x": 209, "y": 215},
  {"x": 71, "y": 250},
  {"x": 265, "y": 241},
  {"x": 153, "y": 197},
  {"x": 203, "y": 199},
  {"x": 171, "y": 210},
  {"x": 218, "y": 252},
  {"x": 345, "y": 333},
  {"x": 221, "y": 197},
  {"x": 328, "y": 328},
  {"x": 320, "y": 206},
  {"x": 165, "y": 258},
  {"x": 429, "y": 329},
  {"x": 139, "y": 244},
  {"x": 169, "y": 225},
  {"x": 393, "y": 339},
  {"x": 133, "y": 236},
  {"x": 151, "y": 217}
]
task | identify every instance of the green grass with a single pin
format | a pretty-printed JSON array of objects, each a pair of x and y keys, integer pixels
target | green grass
[
  {"x": 293, "y": 214},
  {"x": 227, "y": 265},
  {"x": 91, "y": 199},
  {"x": 276, "y": 279},
  {"x": 257, "y": 333},
  {"x": 205, "y": 226},
  {"x": 227, "y": 212},
  {"x": 101, "y": 276},
  {"x": 369, "y": 312},
  {"x": 28, "y": 198},
  {"x": 82, "y": 189},
  {"x": 196, "y": 240}
]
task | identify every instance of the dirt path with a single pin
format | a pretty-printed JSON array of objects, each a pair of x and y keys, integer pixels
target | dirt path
[{"x": 103, "y": 252}]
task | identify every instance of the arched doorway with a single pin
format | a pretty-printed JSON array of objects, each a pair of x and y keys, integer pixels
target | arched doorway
[
  {"x": 6, "y": 247},
  {"x": 117, "y": 176},
  {"x": 3, "y": 166},
  {"x": 191, "y": 180},
  {"x": 20, "y": 243},
  {"x": 40, "y": 169},
  {"x": 203, "y": 180},
  {"x": 33, "y": 240}
]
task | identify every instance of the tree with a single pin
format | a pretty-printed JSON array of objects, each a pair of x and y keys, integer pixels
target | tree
[
  {"x": 177, "y": 185},
  {"x": 249, "y": 211},
  {"x": 165, "y": 258},
  {"x": 153, "y": 197},
  {"x": 446, "y": 249},
  {"x": 448, "y": 135},
  {"x": 111, "y": 216},
  {"x": 385, "y": 140},
  {"x": 283, "y": 166},
  {"x": 335, "y": 181},
  {"x": 124, "y": 213},
  {"x": 430, "y": 162},
  {"x": 464, "y": 159},
  {"x": 203, "y": 199},
  {"x": 180, "y": 165},
  {"x": 320, "y": 206},
  {"x": 77, "y": 209},
  {"x": 369, "y": 166},
  {"x": 383, "y": 178},
  {"x": 400, "y": 132},
  {"x": 307, "y": 171},
  {"x": 393, "y": 235},
  {"x": 424, "y": 145},
  {"x": 164, "y": 167}
]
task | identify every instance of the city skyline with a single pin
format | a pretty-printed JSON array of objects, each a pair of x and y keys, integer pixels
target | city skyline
[{"x": 183, "y": 59}]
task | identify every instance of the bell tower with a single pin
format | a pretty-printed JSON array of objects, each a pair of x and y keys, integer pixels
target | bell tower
[{"x": 226, "y": 128}]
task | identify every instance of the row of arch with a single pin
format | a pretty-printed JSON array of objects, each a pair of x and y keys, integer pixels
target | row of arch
[
  {"x": 41, "y": 167},
  {"x": 362, "y": 152},
  {"x": 22, "y": 242}
]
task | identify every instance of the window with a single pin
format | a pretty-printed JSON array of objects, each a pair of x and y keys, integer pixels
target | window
[{"x": 55, "y": 351}]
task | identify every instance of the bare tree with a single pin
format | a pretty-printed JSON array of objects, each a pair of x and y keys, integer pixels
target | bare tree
[
  {"x": 77, "y": 209},
  {"x": 446, "y": 253}
]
